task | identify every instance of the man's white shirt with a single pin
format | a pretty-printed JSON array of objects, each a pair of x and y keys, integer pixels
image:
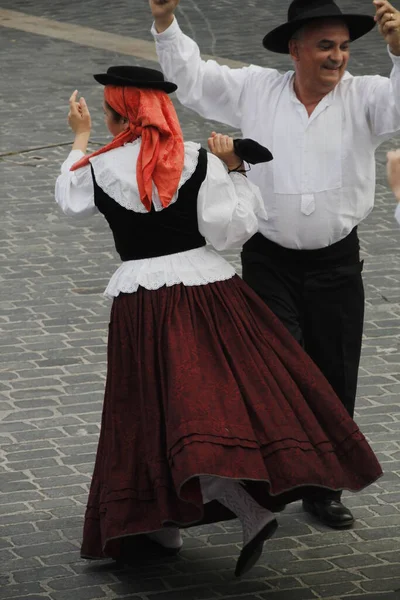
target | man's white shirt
[{"x": 321, "y": 183}]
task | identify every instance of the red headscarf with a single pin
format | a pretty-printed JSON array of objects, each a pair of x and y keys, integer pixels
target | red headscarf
[{"x": 152, "y": 116}]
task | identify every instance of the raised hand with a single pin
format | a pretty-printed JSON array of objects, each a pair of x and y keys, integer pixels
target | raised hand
[
  {"x": 222, "y": 146},
  {"x": 388, "y": 19},
  {"x": 79, "y": 116},
  {"x": 163, "y": 13}
]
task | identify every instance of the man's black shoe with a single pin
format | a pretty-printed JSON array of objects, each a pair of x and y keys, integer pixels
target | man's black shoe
[{"x": 330, "y": 512}]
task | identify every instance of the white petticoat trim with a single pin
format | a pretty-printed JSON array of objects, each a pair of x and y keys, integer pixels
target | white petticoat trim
[
  {"x": 115, "y": 173},
  {"x": 193, "y": 267}
]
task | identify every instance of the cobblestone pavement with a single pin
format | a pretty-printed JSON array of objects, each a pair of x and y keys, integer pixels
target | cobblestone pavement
[{"x": 53, "y": 321}]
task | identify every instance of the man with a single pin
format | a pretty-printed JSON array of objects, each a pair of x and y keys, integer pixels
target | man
[{"x": 323, "y": 127}]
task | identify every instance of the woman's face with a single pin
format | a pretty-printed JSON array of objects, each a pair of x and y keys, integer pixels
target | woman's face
[{"x": 115, "y": 126}]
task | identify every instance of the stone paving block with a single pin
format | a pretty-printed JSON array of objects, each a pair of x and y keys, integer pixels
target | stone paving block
[
  {"x": 61, "y": 558},
  {"x": 206, "y": 565},
  {"x": 9, "y": 510},
  {"x": 296, "y": 594},
  {"x": 76, "y": 582},
  {"x": 38, "y": 537},
  {"x": 181, "y": 581},
  {"x": 40, "y": 574},
  {"x": 18, "y": 529},
  {"x": 93, "y": 593},
  {"x": 375, "y": 596},
  {"x": 381, "y": 585},
  {"x": 207, "y": 553},
  {"x": 13, "y": 518},
  {"x": 191, "y": 594},
  {"x": 337, "y": 576},
  {"x": 378, "y": 534},
  {"x": 138, "y": 587},
  {"x": 335, "y": 590},
  {"x": 32, "y": 597},
  {"x": 61, "y": 523},
  {"x": 245, "y": 597},
  {"x": 52, "y": 504},
  {"x": 23, "y": 590},
  {"x": 45, "y": 550}
]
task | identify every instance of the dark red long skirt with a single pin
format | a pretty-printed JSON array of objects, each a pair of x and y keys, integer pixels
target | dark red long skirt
[{"x": 206, "y": 380}]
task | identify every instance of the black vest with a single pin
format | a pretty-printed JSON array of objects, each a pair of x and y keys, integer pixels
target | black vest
[{"x": 168, "y": 231}]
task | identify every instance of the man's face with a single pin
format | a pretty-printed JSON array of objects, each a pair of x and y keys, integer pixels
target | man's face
[{"x": 321, "y": 54}]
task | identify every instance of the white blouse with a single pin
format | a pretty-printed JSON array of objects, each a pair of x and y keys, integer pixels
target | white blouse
[
  {"x": 228, "y": 209},
  {"x": 321, "y": 182}
]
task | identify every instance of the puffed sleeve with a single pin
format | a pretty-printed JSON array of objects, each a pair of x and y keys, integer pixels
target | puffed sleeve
[
  {"x": 74, "y": 189},
  {"x": 229, "y": 207}
]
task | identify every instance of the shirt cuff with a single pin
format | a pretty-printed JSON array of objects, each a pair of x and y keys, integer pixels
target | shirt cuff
[
  {"x": 168, "y": 34},
  {"x": 395, "y": 59},
  {"x": 397, "y": 214},
  {"x": 72, "y": 158}
]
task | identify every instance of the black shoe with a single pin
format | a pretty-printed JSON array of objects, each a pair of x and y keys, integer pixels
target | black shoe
[
  {"x": 330, "y": 512},
  {"x": 140, "y": 548},
  {"x": 253, "y": 550}
]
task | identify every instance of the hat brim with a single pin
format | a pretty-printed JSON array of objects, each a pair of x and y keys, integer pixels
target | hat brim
[
  {"x": 278, "y": 39},
  {"x": 106, "y": 79}
]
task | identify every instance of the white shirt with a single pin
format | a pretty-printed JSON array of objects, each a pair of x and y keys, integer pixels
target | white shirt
[
  {"x": 321, "y": 183},
  {"x": 228, "y": 208}
]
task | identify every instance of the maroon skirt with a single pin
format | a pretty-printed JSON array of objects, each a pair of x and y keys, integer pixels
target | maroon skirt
[{"x": 206, "y": 380}]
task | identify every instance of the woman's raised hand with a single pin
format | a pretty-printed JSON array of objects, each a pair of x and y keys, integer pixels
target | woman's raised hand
[{"x": 79, "y": 116}]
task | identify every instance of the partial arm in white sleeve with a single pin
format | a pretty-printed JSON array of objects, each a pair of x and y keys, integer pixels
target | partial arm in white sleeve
[
  {"x": 212, "y": 90},
  {"x": 383, "y": 102},
  {"x": 74, "y": 189},
  {"x": 228, "y": 207},
  {"x": 397, "y": 214}
]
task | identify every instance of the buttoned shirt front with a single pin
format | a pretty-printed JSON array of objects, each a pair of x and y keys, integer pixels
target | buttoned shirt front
[{"x": 321, "y": 183}]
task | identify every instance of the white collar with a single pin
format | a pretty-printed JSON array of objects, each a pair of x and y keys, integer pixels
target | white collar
[{"x": 115, "y": 173}]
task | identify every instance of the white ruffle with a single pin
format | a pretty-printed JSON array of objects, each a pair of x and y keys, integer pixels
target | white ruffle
[
  {"x": 194, "y": 267},
  {"x": 115, "y": 173}
]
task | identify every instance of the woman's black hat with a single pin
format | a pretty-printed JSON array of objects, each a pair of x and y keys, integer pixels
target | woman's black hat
[
  {"x": 302, "y": 12},
  {"x": 139, "y": 77}
]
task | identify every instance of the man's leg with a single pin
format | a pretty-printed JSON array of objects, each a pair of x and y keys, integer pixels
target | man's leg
[
  {"x": 279, "y": 288},
  {"x": 333, "y": 326}
]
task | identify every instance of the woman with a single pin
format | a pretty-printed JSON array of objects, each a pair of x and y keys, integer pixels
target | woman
[{"x": 211, "y": 409}]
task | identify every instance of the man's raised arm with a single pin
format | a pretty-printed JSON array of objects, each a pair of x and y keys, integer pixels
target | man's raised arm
[
  {"x": 383, "y": 95},
  {"x": 211, "y": 90}
]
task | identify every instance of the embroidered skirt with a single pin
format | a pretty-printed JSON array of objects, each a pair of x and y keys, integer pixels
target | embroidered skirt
[{"x": 206, "y": 380}]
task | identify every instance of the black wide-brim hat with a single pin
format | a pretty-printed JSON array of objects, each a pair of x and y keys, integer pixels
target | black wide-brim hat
[
  {"x": 302, "y": 12},
  {"x": 140, "y": 77}
]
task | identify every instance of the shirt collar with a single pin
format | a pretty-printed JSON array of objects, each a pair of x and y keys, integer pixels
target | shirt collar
[{"x": 326, "y": 100}]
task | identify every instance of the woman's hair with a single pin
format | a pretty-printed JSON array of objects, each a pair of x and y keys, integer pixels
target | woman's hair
[{"x": 115, "y": 115}]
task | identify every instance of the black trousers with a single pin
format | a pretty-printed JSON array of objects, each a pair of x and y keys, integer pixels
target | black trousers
[{"x": 319, "y": 296}]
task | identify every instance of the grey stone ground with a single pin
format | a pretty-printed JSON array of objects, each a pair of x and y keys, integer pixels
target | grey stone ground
[{"x": 53, "y": 322}]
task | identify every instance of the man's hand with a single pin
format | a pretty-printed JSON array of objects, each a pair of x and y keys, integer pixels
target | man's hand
[
  {"x": 163, "y": 13},
  {"x": 393, "y": 172},
  {"x": 222, "y": 146},
  {"x": 388, "y": 19}
]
